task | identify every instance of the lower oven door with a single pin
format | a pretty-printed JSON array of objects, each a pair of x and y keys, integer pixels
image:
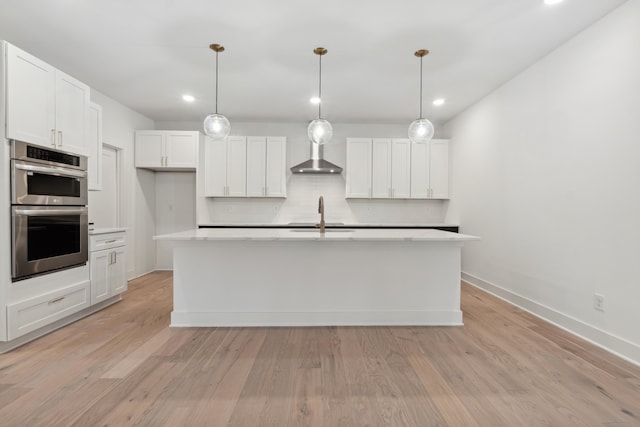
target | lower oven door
[{"x": 46, "y": 238}]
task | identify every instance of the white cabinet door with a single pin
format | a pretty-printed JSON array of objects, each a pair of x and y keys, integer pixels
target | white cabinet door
[
  {"x": 381, "y": 168},
  {"x": 439, "y": 169},
  {"x": 167, "y": 150},
  {"x": 256, "y": 166},
  {"x": 215, "y": 167},
  {"x": 181, "y": 149},
  {"x": 420, "y": 170},
  {"x": 100, "y": 276},
  {"x": 31, "y": 101},
  {"x": 45, "y": 106},
  {"x": 358, "y": 168},
  {"x": 236, "y": 166},
  {"x": 149, "y": 149},
  {"x": 276, "y": 167},
  {"x": 117, "y": 271},
  {"x": 400, "y": 168},
  {"x": 430, "y": 170},
  {"x": 94, "y": 141},
  {"x": 72, "y": 102}
]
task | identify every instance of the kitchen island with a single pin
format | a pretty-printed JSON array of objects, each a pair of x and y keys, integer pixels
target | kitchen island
[{"x": 301, "y": 277}]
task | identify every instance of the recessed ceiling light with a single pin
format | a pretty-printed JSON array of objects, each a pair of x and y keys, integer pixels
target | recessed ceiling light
[
  {"x": 550, "y": 2},
  {"x": 315, "y": 100},
  {"x": 188, "y": 98},
  {"x": 438, "y": 102}
]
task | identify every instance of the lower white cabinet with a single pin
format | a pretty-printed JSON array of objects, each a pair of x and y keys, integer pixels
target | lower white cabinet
[
  {"x": 33, "y": 313},
  {"x": 108, "y": 265}
]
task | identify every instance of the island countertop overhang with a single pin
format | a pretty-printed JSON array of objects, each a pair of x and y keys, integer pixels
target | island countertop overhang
[{"x": 276, "y": 234}]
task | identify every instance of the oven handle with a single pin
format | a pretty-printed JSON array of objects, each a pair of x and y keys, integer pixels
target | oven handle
[
  {"x": 51, "y": 170},
  {"x": 45, "y": 212}
]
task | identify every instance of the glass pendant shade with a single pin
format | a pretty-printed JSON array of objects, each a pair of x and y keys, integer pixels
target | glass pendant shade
[
  {"x": 421, "y": 131},
  {"x": 216, "y": 126},
  {"x": 320, "y": 131}
]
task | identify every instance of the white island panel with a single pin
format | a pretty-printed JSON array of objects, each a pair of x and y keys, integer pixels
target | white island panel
[{"x": 245, "y": 277}]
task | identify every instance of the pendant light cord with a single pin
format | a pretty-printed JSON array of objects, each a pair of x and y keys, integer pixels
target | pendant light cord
[
  {"x": 320, "y": 88},
  {"x": 216, "y": 82},
  {"x": 421, "y": 86}
]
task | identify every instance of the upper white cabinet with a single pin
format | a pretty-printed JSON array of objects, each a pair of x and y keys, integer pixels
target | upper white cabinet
[
  {"x": 94, "y": 141},
  {"x": 226, "y": 167},
  {"x": 396, "y": 168},
  {"x": 391, "y": 168},
  {"x": 358, "y": 168},
  {"x": 167, "y": 150},
  {"x": 430, "y": 170},
  {"x": 266, "y": 166},
  {"x": 378, "y": 168},
  {"x": 240, "y": 166},
  {"x": 44, "y": 105}
]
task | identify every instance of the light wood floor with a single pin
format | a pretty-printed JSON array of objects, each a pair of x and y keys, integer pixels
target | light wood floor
[{"x": 124, "y": 366}]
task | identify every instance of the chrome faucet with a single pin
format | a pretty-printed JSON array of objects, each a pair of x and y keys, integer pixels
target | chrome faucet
[{"x": 321, "y": 212}]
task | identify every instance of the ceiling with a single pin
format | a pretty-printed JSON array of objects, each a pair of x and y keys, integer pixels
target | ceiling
[{"x": 147, "y": 53}]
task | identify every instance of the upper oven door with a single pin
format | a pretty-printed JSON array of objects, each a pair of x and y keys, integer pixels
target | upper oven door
[{"x": 39, "y": 184}]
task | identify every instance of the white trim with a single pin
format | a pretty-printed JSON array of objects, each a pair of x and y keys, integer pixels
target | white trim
[
  {"x": 616, "y": 345},
  {"x": 335, "y": 318}
]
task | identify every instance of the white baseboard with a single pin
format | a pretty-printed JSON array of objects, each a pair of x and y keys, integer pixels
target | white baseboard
[
  {"x": 336, "y": 318},
  {"x": 619, "y": 346}
]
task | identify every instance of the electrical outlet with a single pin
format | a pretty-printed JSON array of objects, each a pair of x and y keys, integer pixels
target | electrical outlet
[{"x": 598, "y": 302}]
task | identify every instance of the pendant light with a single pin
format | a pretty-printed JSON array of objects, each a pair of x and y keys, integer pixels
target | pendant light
[
  {"x": 216, "y": 125},
  {"x": 421, "y": 129},
  {"x": 320, "y": 130}
]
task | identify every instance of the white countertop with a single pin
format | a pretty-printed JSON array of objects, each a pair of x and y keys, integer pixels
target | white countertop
[
  {"x": 106, "y": 230},
  {"x": 274, "y": 225},
  {"x": 311, "y": 234}
]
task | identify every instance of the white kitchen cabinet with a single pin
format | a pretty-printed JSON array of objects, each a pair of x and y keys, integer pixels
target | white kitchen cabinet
[
  {"x": 226, "y": 167},
  {"x": 44, "y": 105},
  {"x": 164, "y": 150},
  {"x": 378, "y": 168},
  {"x": 94, "y": 141},
  {"x": 266, "y": 166},
  {"x": 358, "y": 168},
  {"x": 430, "y": 170},
  {"x": 108, "y": 265},
  {"x": 33, "y": 313}
]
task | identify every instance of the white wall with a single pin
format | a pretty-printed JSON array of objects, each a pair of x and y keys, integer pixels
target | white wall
[
  {"x": 175, "y": 210},
  {"x": 546, "y": 170},
  {"x": 119, "y": 125}
]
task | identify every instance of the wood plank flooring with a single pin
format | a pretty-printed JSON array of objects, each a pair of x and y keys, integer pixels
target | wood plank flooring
[{"x": 125, "y": 366}]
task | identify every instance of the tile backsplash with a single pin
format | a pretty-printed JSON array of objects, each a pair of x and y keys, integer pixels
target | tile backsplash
[{"x": 301, "y": 205}]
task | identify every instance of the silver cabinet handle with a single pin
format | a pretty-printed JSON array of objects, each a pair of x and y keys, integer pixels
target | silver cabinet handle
[
  {"x": 55, "y": 300},
  {"x": 53, "y": 137},
  {"x": 111, "y": 241},
  {"x": 60, "y": 138}
]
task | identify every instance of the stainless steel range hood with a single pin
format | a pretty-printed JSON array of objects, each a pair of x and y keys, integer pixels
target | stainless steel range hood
[{"x": 316, "y": 164}]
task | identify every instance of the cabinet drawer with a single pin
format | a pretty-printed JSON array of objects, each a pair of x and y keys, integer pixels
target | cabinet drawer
[
  {"x": 28, "y": 315},
  {"x": 99, "y": 242}
]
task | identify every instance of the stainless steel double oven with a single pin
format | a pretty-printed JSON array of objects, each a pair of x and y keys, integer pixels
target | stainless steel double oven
[{"x": 49, "y": 219}]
